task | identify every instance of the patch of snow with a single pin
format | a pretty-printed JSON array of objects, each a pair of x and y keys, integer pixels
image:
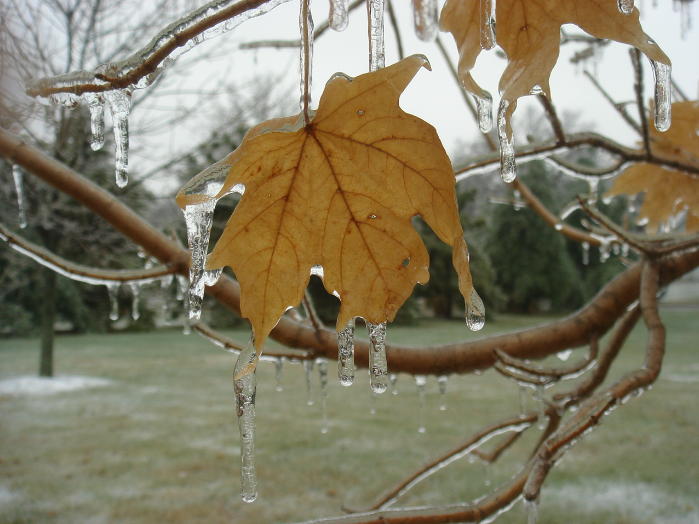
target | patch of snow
[
  {"x": 7, "y": 496},
  {"x": 39, "y": 386}
]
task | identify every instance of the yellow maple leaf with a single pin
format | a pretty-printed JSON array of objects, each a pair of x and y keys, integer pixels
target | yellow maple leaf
[
  {"x": 338, "y": 192},
  {"x": 529, "y": 33},
  {"x": 667, "y": 192}
]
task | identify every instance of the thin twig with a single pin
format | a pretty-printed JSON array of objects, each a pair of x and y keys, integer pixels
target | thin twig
[
  {"x": 310, "y": 309},
  {"x": 396, "y": 29},
  {"x": 553, "y": 118},
  {"x": 619, "y": 107}
]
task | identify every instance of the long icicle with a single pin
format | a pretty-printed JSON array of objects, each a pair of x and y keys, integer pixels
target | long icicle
[
  {"x": 306, "y": 26},
  {"x": 245, "y": 384},
  {"x": 21, "y": 202},
  {"x": 375, "y": 10},
  {"x": 119, "y": 102},
  {"x": 339, "y": 16},
  {"x": 378, "y": 367},
  {"x": 345, "y": 357}
]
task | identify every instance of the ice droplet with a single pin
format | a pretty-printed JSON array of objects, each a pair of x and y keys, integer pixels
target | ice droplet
[
  {"x": 377, "y": 59},
  {"x": 586, "y": 253},
  {"x": 119, "y": 102},
  {"x": 323, "y": 379},
  {"x": 211, "y": 276},
  {"x": 508, "y": 167},
  {"x": 306, "y": 25},
  {"x": 625, "y": 6},
  {"x": 442, "y": 382},
  {"x": 420, "y": 381},
  {"x": 113, "y": 290},
  {"x": 564, "y": 355},
  {"x": 426, "y": 19},
  {"x": 484, "y": 107},
  {"x": 95, "y": 102},
  {"x": 475, "y": 313},
  {"x": 279, "y": 364},
  {"x": 21, "y": 201},
  {"x": 198, "y": 219},
  {"x": 135, "y": 294},
  {"x": 308, "y": 368},
  {"x": 378, "y": 366},
  {"x": 393, "y": 377},
  {"x": 345, "y": 355},
  {"x": 339, "y": 18},
  {"x": 487, "y": 22},
  {"x": 663, "y": 116},
  {"x": 245, "y": 384}
]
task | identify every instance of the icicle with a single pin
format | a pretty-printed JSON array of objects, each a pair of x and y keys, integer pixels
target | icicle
[
  {"x": 306, "y": 24},
  {"x": 393, "y": 377},
  {"x": 135, "y": 292},
  {"x": 540, "y": 407},
  {"x": 625, "y": 250},
  {"x": 484, "y": 106},
  {"x": 323, "y": 378},
  {"x": 442, "y": 382},
  {"x": 308, "y": 368},
  {"x": 279, "y": 363},
  {"x": 420, "y": 381},
  {"x": 486, "y": 471},
  {"x": 593, "y": 182},
  {"x": 487, "y": 12},
  {"x": 198, "y": 218},
  {"x": 604, "y": 250},
  {"x": 377, "y": 59},
  {"x": 211, "y": 276},
  {"x": 625, "y": 6},
  {"x": 372, "y": 409},
  {"x": 245, "y": 384},
  {"x": 586, "y": 253},
  {"x": 187, "y": 326},
  {"x": 339, "y": 18},
  {"x": 21, "y": 202},
  {"x": 426, "y": 19},
  {"x": 96, "y": 103},
  {"x": 113, "y": 290},
  {"x": 522, "y": 401},
  {"x": 663, "y": 100},
  {"x": 508, "y": 167},
  {"x": 378, "y": 366},
  {"x": 531, "y": 507},
  {"x": 475, "y": 313},
  {"x": 119, "y": 102},
  {"x": 182, "y": 287},
  {"x": 345, "y": 356},
  {"x": 165, "y": 284}
]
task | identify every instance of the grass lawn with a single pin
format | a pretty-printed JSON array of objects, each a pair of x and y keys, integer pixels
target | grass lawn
[{"x": 158, "y": 443}]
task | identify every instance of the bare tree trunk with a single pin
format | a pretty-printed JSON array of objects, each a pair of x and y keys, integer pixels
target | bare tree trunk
[{"x": 48, "y": 318}]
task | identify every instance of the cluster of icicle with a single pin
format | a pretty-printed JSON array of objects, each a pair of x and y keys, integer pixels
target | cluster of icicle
[
  {"x": 508, "y": 167},
  {"x": 118, "y": 101}
]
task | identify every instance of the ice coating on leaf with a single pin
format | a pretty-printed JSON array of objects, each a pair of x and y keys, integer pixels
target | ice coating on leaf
[
  {"x": 306, "y": 54},
  {"x": 625, "y": 6},
  {"x": 663, "y": 90},
  {"x": 198, "y": 218},
  {"x": 420, "y": 381},
  {"x": 475, "y": 313},
  {"x": 308, "y": 369},
  {"x": 95, "y": 102},
  {"x": 339, "y": 18},
  {"x": 345, "y": 355},
  {"x": 21, "y": 201},
  {"x": 484, "y": 107},
  {"x": 426, "y": 20},
  {"x": 322, "y": 364},
  {"x": 442, "y": 381},
  {"x": 378, "y": 365},
  {"x": 508, "y": 167},
  {"x": 135, "y": 294},
  {"x": 487, "y": 24},
  {"x": 377, "y": 59},
  {"x": 245, "y": 384},
  {"x": 113, "y": 290},
  {"x": 119, "y": 102}
]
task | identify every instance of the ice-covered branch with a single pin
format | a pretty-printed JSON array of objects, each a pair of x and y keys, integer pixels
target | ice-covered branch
[
  {"x": 142, "y": 67},
  {"x": 79, "y": 272},
  {"x": 234, "y": 347}
]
